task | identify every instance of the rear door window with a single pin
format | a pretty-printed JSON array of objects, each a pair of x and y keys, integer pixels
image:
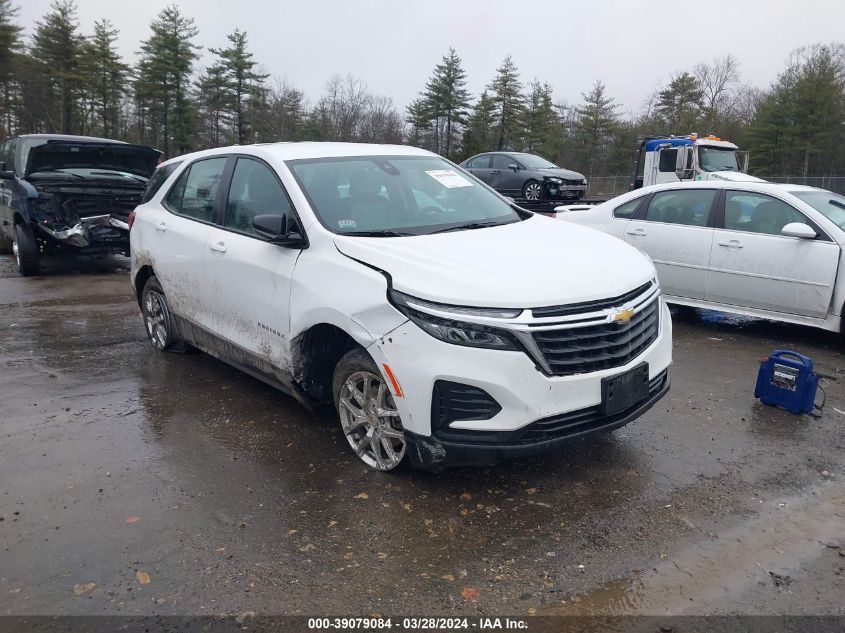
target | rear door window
[
  {"x": 690, "y": 207},
  {"x": 628, "y": 210},
  {"x": 159, "y": 177},
  {"x": 479, "y": 162},
  {"x": 194, "y": 193}
]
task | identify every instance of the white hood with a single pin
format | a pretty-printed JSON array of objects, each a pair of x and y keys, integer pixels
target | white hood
[
  {"x": 534, "y": 263},
  {"x": 733, "y": 176}
]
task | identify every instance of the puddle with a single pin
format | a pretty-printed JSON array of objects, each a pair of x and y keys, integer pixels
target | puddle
[{"x": 775, "y": 543}]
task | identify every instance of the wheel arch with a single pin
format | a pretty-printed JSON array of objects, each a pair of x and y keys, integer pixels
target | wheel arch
[
  {"x": 314, "y": 355},
  {"x": 141, "y": 277}
]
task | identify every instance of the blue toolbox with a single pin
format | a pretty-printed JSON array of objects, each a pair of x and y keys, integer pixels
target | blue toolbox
[{"x": 786, "y": 380}]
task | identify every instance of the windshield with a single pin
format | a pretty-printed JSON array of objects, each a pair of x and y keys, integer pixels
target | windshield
[
  {"x": 535, "y": 162},
  {"x": 717, "y": 159},
  {"x": 390, "y": 196},
  {"x": 829, "y": 204}
]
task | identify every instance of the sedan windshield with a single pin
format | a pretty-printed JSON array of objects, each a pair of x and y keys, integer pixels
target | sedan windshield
[
  {"x": 384, "y": 196},
  {"x": 717, "y": 159},
  {"x": 535, "y": 162},
  {"x": 829, "y": 204}
]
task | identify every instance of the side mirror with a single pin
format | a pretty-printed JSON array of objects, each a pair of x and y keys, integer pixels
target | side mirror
[
  {"x": 683, "y": 163},
  {"x": 4, "y": 173},
  {"x": 513, "y": 166},
  {"x": 275, "y": 229},
  {"x": 798, "y": 229}
]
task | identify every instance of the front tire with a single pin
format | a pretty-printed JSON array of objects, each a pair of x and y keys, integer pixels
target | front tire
[
  {"x": 158, "y": 318},
  {"x": 26, "y": 250},
  {"x": 532, "y": 191},
  {"x": 368, "y": 414}
]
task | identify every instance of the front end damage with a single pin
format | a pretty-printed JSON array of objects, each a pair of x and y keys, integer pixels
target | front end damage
[
  {"x": 92, "y": 220},
  {"x": 563, "y": 188}
]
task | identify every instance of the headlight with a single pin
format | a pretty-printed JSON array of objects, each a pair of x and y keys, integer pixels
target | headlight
[
  {"x": 452, "y": 330},
  {"x": 557, "y": 181}
]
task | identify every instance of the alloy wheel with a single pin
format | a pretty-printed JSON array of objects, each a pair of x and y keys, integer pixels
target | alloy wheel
[
  {"x": 156, "y": 319},
  {"x": 370, "y": 421},
  {"x": 532, "y": 191}
]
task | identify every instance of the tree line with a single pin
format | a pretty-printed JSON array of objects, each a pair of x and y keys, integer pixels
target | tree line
[{"x": 62, "y": 80}]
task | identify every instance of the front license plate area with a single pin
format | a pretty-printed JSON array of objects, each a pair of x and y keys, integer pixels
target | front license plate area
[{"x": 625, "y": 390}]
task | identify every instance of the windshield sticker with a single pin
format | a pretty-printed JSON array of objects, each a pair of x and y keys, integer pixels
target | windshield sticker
[
  {"x": 347, "y": 225},
  {"x": 449, "y": 178}
]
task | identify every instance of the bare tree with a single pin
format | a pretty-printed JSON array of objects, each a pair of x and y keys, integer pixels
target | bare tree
[{"x": 718, "y": 82}]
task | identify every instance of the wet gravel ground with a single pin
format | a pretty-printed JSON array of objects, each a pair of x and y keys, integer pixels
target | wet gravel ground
[{"x": 135, "y": 482}]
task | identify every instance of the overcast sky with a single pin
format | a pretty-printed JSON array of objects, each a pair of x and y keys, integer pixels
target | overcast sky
[{"x": 394, "y": 44}]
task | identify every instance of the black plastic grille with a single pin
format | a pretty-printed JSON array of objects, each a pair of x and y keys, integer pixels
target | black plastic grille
[
  {"x": 573, "y": 423},
  {"x": 596, "y": 347},
  {"x": 590, "y": 306},
  {"x": 455, "y": 401},
  {"x": 583, "y": 420}
]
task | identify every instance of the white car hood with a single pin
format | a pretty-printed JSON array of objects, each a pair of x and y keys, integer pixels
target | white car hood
[
  {"x": 734, "y": 176},
  {"x": 534, "y": 263}
]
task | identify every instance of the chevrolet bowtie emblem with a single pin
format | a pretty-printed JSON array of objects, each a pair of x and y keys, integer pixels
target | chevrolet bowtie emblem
[{"x": 622, "y": 316}]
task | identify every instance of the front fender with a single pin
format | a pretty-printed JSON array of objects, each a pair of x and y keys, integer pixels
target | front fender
[{"x": 334, "y": 289}]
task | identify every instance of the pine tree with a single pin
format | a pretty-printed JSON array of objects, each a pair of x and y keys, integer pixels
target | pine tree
[
  {"x": 419, "y": 117},
  {"x": 167, "y": 59},
  {"x": 541, "y": 125},
  {"x": 215, "y": 105},
  {"x": 800, "y": 126},
  {"x": 10, "y": 45},
  {"x": 57, "y": 48},
  {"x": 509, "y": 104},
  {"x": 244, "y": 82},
  {"x": 679, "y": 104},
  {"x": 105, "y": 78},
  {"x": 480, "y": 132},
  {"x": 596, "y": 124},
  {"x": 446, "y": 102}
]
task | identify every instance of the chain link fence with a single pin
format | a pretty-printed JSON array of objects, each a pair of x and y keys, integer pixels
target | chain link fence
[{"x": 606, "y": 185}]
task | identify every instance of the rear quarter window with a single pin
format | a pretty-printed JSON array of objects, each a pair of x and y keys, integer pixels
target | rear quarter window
[
  {"x": 159, "y": 177},
  {"x": 626, "y": 211}
]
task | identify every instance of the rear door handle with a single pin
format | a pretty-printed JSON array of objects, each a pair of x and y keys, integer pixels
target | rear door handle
[
  {"x": 731, "y": 244},
  {"x": 639, "y": 232},
  {"x": 219, "y": 247},
  {"x": 160, "y": 226}
]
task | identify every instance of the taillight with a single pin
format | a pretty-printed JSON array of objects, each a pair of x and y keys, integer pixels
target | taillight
[{"x": 131, "y": 219}]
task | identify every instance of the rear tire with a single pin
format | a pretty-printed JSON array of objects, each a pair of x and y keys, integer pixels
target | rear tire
[
  {"x": 26, "y": 250},
  {"x": 368, "y": 415},
  {"x": 158, "y": 318}
]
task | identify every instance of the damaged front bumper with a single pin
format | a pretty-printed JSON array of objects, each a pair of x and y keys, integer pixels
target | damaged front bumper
[{"x": 89, "y": 230}]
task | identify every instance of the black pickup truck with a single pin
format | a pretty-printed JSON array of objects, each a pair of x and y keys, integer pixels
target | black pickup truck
[{"x": 61, "y": 192}]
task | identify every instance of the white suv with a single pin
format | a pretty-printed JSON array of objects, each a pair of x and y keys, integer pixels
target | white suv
[{"x": 441, "y": 321}]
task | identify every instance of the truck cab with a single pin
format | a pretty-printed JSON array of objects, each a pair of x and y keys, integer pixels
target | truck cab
[{"x": 660, "y": 160}]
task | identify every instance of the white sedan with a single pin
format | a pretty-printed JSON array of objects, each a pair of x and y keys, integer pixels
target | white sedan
[{"x": 754, "y": 248}]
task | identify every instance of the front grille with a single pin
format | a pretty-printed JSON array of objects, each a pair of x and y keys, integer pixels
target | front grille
[
  {"x": 455, "y": 401},
  {"x": 591, "y": 348},
  {"x": 583, "y": 420},
  {"x": 590, "y": 306}
]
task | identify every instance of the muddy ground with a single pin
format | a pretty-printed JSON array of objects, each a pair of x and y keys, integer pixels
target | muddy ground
[{"x": 136, "y": 482}]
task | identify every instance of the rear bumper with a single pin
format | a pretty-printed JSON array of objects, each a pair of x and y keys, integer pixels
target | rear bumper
[{"x": 435, "y": 453}]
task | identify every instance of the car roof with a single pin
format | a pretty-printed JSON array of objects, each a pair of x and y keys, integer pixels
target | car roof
[
  {"x": 69, "y": 137},
  {"x": 284, "y": 151},
  {"x": 748, "y": 185}
]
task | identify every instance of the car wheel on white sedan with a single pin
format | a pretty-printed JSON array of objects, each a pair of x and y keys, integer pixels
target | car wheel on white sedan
[{"x": 368, "y": 414}]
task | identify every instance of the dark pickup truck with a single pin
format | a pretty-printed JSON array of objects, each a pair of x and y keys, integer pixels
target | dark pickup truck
[{"x": 71, "y": 193}]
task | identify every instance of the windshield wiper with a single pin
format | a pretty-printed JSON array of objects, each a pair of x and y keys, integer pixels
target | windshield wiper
[
  {"x": 837, "y": 203},
  {"x": 378, "y": 233},
  {"x": 119, "y": 174},
  {"x": 468, "y": 226}
]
